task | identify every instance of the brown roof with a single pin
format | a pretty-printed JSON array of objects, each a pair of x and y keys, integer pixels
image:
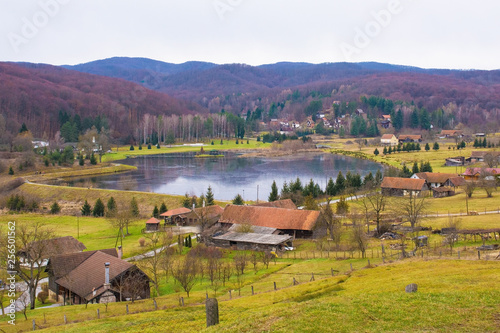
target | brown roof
[
  {"x": 54, "y": 246},
  {"x": 435, "y": 177},
  {"x": 450, "y": 132},
  {"x": 208, "y": 212},
  {"x": 386, "y": 116},
  {"x": 287, "y": 203},
  {"x": 403, "y": 183},
  {"x": 89, "y": 275},
  {"x": 410, "y": 136},
  {"x": 443, "y": 189},
  {"x": 177, "y": 211},
  {"x": 61, "y": 265},
  {"x": 279, "y": 218},
  {"x": 482, "y": 154},
  {"x": 250, "y": 237},
  {"x": 457, "y": 181},
  {"x": 153, "y": 221},
  {"x": 387, "y": 136}
]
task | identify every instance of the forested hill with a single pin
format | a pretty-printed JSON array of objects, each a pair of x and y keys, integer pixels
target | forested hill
[{"x": 37, "y": 94}]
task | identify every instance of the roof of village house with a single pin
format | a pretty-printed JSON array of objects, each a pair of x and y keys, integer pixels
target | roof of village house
[
  {"x": 177, "y": 211},
  {"x": 435, "y": 177},
  {"x": 476, "y": 171},
  {"x": 208, "y": 212},
  {"x": 482, "y": 154},
  {"x": 54, "y": 246},
  {"x": 286, "y": 203},
  {"x": 153, "y": 221},
  {"x": 410, "y": 136},
  {"x": 443, "y": 189},
  {"x": 65, "y": 263},
  {"x": 386, "y": 116},
  {"x": 450, "y": 132},
  {"x": 457, "y": 181},
  {"x": 255, "y": 229},
  {"x": 250, "y": 237},
  {"x": 279, "y": 218},
  {"x": 90, "y": 274},
  {"x": 387, "y": 136},
  {"x": 403, "y": 183}
]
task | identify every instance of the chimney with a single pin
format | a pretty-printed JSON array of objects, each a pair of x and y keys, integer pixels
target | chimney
[
  {"x": 193, "y": 206},
  {"x": 120, "y": 252},
  {"x": 106, "y": 275}
]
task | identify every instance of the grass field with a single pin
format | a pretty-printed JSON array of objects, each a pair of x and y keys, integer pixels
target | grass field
[{"x": 365, "y": 300}]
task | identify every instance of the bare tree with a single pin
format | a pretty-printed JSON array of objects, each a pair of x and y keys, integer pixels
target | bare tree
[
  {"x": 132, "y": 284},
  {"x": 413, "y": 208},
  {"x": 377, "y": 202},
  {"x": 470, "y": 187},
  {"x": 121, "y": 221},
  {"x": 452, "y": 227},
  {"x": 185, "y": 272},
  {"x": 266, "y": 256},
  {"x": 240, "y": 262},
  {"x": 491, "y": 160},
  {"x": 488, "y": 182},
  {"x": 367, "y": 210},
  {"x": 34, "y": 247},
  {"x": 359, "y": 239}
]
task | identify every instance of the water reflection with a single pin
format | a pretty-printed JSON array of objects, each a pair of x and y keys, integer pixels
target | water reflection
[{"x": 228, "y": 176}]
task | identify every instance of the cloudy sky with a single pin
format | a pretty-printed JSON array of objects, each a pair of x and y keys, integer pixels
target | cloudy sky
[{"x": 432, "y": 34}]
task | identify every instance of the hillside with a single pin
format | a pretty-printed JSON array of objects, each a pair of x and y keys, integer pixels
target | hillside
[{"x": 36, "y": 94}]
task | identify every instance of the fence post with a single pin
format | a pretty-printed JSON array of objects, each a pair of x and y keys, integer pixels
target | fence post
[
  {"x": 369, "y": 263},
  {"x": 351, "y": 266},
  {"x": 182, "y": 301},
  {"x": 212, "y": 311},
  {"x": 34, "y": 325},
  {"x": 252, "y": 290},
  {"x": 127, "y": 308},
  {"x": 312, "y": 277},
  {"x": 230, "y": 296},
  {"x": 331, "y": 270},
  {"x": 294, "y": 282},
  {"x": 478, "y": 254},
  {"x": 458, "y": 254},
  {"x": 156, "y": 305},
  {"x": 65, "y": 320},
  {"x": 98, "y": 316},
  {"x": 274, "y": 285}
]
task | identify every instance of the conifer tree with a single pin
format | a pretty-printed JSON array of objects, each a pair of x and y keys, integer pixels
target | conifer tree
[
  {"x": 134, "y": 208},
  {"x": 273, "y": 196},
  {"x": 86, "y": 209},
  {"x": 210, "y": 197}
]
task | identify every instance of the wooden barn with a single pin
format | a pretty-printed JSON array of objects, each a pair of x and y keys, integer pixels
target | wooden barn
[{"x": 395, "y": 186}]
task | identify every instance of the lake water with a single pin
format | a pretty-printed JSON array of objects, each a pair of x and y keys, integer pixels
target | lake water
[{"x": 227, "y": 176}]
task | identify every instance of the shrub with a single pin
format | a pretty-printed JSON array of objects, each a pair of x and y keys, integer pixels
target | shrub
[
  {"x": 142, "y": 241},
  {"x": 132, "y": 147},
  {"x": 11, "y": 171},
  {"x": 42, "y": 296}
]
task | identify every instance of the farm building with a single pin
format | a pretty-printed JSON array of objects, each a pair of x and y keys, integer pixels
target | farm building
[
  {"x": 434, "y": 179},
  {"x": 476, "y": 173},
  {"x": 173, "y": 216},
  {"x": 207, "y": 215},
  {"x": 255, "y": 238},
  {"x": 95, "y": 277},
  {"x": 286, "y": 203},
  {"x": 293, "y": 222},
  {"x": 441, "y": 192},
  {"x": 46, "y": 248},
  {"x": 395, "y": 186},
  {"x": 410, "y": 138},
  {"x": 389, "y": 140},
  {"x": 153, "y": 224}
]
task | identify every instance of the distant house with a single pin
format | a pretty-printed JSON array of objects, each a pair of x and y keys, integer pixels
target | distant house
[
  {"x": 389, "y": 140},
  {"x": 46, "y": 248},
  {"x": 153, "y": 224},
  {"x": 455, "y": 161},
  {"x": 95, "y": 277},
  {"x": 361, "y": 113},
  {"x": 476, "y": 173},
  {"x": 450, "y": 133},
  {"x": 481, "y": 156},
  {"x": 286, "y": 203},
  {"x": 454, "y": 182},
  {"x": 434, "y": 179},
  {"x": 395, "y": 186},
  {"x": 386, "y": 121},
  {"x": 174, "y": 216},
  {"x": 410, "y": 138},
  {"x": 293, "y": 222}
]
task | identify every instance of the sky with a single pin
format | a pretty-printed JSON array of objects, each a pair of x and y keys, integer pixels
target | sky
[{"x": 455, "y": 34}]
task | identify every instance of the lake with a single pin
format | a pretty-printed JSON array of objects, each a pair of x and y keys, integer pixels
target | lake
[{"x": 228, "y": 176}]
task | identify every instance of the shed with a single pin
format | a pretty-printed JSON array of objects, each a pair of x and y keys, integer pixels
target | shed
[
  {"x": 173, "y": 216},
  {"x": 253, "y": 241},
  {"x": 441, "y": 192},
  {"x": 153, "y": 224}
]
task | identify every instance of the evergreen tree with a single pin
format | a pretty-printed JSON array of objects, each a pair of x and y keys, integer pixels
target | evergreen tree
[
  {"x": 23, "y": 128},
  {"x": 93, "y": 160},
  {"x": 376, "y": 152},
  {"x": 385, "y": 151},
  {"x": 149, "y": 145},
  {"x": 55, "y": 208},
  {"x": 436, "y": 146},
  {"x": 163, "y": 208},
  {"x": 296, "y": 186},
  {"x": 405, "y": 173},
  {"x": 238, "y": 200},
  {"x": 140, "y": 146},
  {"x": 210, "y": 197},
  {"x": 156, "y": 212},
  {"x": 414, "y": 122},
  {"x": 11, "y": 171},
  {"x": 132, "y": 147},
  {"x": 273, "y": 196},
  {"x": 86, "y": 209},
  {"x": 186, "y": 201},
  {"x": 415, "y": 167},
  {"x": 389, "y": 151},
  {"x": 112, "y": 208},
  {"x": 309, "y": 188},
  {"x": 134, "y": 208},
  {"x": 81, "y": 161},
  {"x": 417, "y": 147},
  {"x": 398, "y": 120},
  {"x": 340, "y": 183},
  {"x": 98, "y": 208},
  {"x": 485, "y": 144},
  {"x": 368, "y": 180},
  {"x": 427, "y": 147},
  {"x": 378, "y": 177},
  {"x": 330, "y": 187},
  {"x": 342, "y": 206},
  {"x": 475, "y": 143},
  {"x": 158, "y": 145}
]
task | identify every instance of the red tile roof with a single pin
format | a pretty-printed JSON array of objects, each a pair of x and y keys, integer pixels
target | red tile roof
[
  {"x": 478, "y": 171},
  {"x": 403, "y": 183},
  {"x": 410, "y": 136},
  {"x": 279, "y": 218},
  {"x": 177, "y": 211},
  {"x": 152, "y": 221},
  {"x": 435, "y": 177},
  {"x": 287, "y": 203},
  {"x": 387, "y": 136}
]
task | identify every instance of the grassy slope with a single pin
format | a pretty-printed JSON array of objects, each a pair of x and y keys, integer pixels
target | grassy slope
[{"x": 368, "y": 300}]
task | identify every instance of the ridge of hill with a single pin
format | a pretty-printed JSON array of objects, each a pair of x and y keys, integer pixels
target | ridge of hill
[{"x": 36, "y": 93}]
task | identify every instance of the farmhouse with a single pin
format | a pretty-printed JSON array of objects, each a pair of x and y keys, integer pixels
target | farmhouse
[
  {"x": 455, "y": 182},
  {"x": 286, "y": 203},
  {"x": 173, "y": 216},
  {"x": 293, "y": 222},
  {"x": 455, "y": 161},
  {"x": 450, "y": 133},
  {"x": 95, "y": 277},
  {"x": 256, "y": 239},
  {"x": 433, "y": 179},
  {"x": 389, "y": 140},
  {"x": 476, "y": 173},
  {"x": 395, "y": 186},
  {"x": 482, "y": 156},
  {"x": 207, "y": 215},
  {"x": 410, "y": 138}
]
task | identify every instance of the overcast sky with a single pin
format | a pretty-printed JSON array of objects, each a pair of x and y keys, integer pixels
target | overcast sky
[{"x": 431, "y": 34}]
